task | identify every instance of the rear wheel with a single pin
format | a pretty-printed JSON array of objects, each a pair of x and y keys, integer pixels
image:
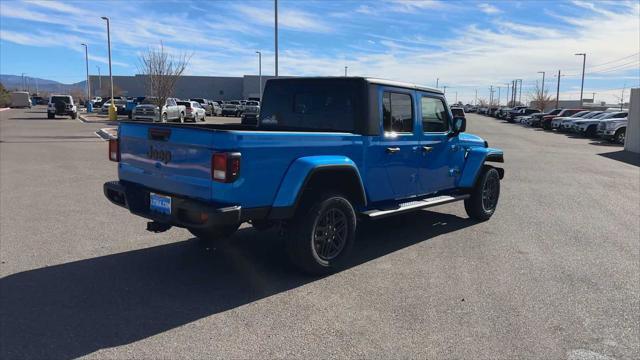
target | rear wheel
[
  {"x": 620, "y": 136},
  {"x": 484, "y": 196},
  {"x": 215, "y": 236},
  {"x": 322, "y": 234},
  {"x": 591, "y": 131},
  {"x": 74, "y": 115},
  {"x": 51, "y": 116}
]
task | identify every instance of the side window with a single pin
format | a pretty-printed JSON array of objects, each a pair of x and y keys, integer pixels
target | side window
[
  {"x": 397, "y": 112},
  {"x": 434, "y": 115}
]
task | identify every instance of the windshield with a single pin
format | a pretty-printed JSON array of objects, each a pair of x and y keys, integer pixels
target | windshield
[
  {"x": 592, "y": 114},
  {"x": 580, "y": 114},
  {"x": 555, "y": 112}
]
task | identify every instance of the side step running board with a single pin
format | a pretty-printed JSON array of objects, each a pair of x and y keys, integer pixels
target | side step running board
[{"x": 414, "y": 205}]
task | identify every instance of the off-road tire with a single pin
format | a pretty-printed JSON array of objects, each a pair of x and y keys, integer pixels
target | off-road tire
[
  {"x": 74, "y": 115},
  {"x": 218, "y": 236},
  {"x": 478, "y": 206},
  {"x": 314, "y": 251}
]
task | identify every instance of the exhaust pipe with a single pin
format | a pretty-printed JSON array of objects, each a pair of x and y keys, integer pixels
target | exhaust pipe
[{"x": 157, "y": 227}]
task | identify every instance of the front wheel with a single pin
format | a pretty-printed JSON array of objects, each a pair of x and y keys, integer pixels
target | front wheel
[
  {"x": 165, "y": 118},
  {"x": 484, "y": 196},
  {"x": 322, "y": 234},
  {"x": 619, "y": 136},
  {"x": 215, "y": 236},
  {"x": 182, "y": 117},
  {"x": 51, "y": 116}
]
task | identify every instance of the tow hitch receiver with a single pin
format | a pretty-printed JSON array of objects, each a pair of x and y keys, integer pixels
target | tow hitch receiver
[{"x": 157, "y": 227}]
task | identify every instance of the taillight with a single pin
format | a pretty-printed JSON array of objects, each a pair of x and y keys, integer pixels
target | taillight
[
  {"x": 114, "y": 150},
  {"x": 225, "y": 167}
]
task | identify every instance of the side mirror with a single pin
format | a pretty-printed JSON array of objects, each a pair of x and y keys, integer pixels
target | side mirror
[{"x": 459, "y": 125}]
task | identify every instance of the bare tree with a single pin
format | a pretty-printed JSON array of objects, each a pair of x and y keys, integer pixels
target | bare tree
[
  {"x": 162, "y": 71},
  {"x": 540, "y": 98}
]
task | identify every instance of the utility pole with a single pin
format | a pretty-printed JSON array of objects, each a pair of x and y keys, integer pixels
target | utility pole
[
  {"x": 558, "y": 91},
  {"x": 499, "y": 95},
  {"x": 456, "y": 97},
  {"x": 37, "y": 92},
  {"x": 22, "y": 84},
  {"x": 345, "y": 71},
  {"x": 437, "y": 81},
  {"x": 276, "y": 33},
  {"x": 86, "y": 59},
  {"x": 593, "y": 98},
  {"x": 260, "y": 73},
  {"x": 513, "y": 92},
  {"x": 584, "y": 60},
  {"x": 475, "y": 103},
  {"x": 542, "y": 72},
  {"x": 520, "y": 92}
]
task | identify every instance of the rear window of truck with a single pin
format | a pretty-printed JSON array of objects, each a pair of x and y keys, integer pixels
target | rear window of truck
[{"x": 311, "y": 104}]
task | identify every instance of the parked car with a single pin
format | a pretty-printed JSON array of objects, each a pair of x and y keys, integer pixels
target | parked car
[
  {"x": 589, "y": 127},
  {"x": 515, "y": 111},
  {"x": 251, "y": 112},
  {"x": 38, "y": 100},
  {"x": 149, "y": 111},
  {"x": 216, "y": 108},
  {"x": 231, "y": 108},
  {"x": 121, "y": 106},
  {"x": 512, "y": 115},
  {"x": 306, "y": 168},
  {"x": 458, "y": 111},
  {"x": 545, "y": 123},
  {"x": 536, "y": 119},
  {"x": 613, "y": 129},
  {"x": 193, "y": 110},
  {"x": 556, "y": 123},
  {"x": 205, "y": 104},
  {"x": 61, "y": 105}
]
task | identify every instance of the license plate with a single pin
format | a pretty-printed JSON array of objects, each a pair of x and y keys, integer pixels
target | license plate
[{"x": 160, "y": 203}]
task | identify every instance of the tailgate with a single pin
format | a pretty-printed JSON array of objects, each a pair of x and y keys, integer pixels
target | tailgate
[{"x": 175, "y": 160}]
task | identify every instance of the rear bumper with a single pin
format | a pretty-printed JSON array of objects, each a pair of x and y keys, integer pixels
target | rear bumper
[{"x": 184, "y": 212}]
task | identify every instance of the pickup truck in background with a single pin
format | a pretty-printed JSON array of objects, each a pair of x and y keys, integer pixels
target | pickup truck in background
[
  {"x": 613, "y": 129},
  {"x": 147, "y": 110},
  {"x": 324, "y": 154}
]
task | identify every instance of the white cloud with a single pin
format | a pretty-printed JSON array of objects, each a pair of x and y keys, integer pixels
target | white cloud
[
  {"x": 489, "y": 9},
  {"x": 287, "y": 18}
]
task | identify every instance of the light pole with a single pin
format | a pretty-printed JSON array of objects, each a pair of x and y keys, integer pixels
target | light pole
[
  {"x": 113, "y": 116},
  {"x": 99, "y": 81},
  {"x": 86, "y": 60},
  {"x": 345, "y": 71},
  {"x": 558, "y": 91},
  {"x": 437, "y": 81},
  {"x": 584, "y": 60},
  {"x": 260, "y": 72},
  {"x": 276, "y": 33},
  {"x": 22, "y": 84}
]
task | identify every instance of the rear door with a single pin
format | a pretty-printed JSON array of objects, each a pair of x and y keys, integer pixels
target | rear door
[
  {"x": 174, "y": 160},
  {"x": 392, "y": 172}
]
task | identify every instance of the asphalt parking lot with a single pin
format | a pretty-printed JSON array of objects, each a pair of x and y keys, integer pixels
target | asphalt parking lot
[{"x": 554, "y": 274}]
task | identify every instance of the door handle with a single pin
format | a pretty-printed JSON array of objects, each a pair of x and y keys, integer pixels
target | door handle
[
  {"x": 392, "y": 150},
  {"x": 427, "y": 149}
]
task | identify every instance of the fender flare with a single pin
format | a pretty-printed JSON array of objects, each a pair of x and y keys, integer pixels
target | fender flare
[
  {"x": 300, "y": 172},
  {"x": 475, "y": 159}
]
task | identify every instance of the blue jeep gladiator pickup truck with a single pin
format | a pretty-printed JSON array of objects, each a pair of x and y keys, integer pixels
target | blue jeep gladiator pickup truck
[{"x": 324, "y": 154}]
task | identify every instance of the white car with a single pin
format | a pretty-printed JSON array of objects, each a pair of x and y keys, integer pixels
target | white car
[
  {"x": 193, "y": 110},
  {"x": 589, "y": 127},
  {"x": 560, "y": 123},
  {"x": 148, "y": 110},
  {"x": 613, "y": 130}
]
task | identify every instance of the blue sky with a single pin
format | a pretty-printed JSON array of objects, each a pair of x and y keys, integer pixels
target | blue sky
[{"x": 468, "y": 45}]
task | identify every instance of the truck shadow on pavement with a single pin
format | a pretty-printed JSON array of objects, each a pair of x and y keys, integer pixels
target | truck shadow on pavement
[{"x": 69, "y": 310}]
